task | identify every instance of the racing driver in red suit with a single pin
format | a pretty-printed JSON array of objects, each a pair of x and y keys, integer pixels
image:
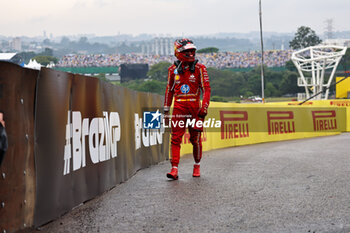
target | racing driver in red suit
[{"x": 186, "y": 79}]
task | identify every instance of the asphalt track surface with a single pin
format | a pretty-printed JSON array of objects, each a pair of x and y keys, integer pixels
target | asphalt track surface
[{"x": 291, "y": 186}]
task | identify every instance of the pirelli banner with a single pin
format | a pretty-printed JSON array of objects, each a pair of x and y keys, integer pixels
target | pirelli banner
[
  {"x": 240, "y": 124},
  {"x": 88, "y": 138},
  {"x": 324, "y": 103}
]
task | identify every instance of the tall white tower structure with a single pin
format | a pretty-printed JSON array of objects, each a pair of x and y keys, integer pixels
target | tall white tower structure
[{"x": 312, "y": 63}]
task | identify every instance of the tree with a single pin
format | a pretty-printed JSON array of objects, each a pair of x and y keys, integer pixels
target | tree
[
  {"x": 47, "y": 52},
  {"x": 216, "y": 98},
  {"x": 345, "y": 61},
  {"x": 65, "y": 41},
  {"x": 289, "y": 83},
  {"x": 26, "y": 56},
  {"x": 208, "y": 50},
  {"x": 45, "y": 60},
  {"x": 226, "y": 82},
  {"x": 159, "y": 71},
  {"x": 290, "y": 66},
  {"x": 83, "y": 40},
  {"x": 304, "y": 37},
  {"x": 153, "y": 86},
  {"x": 270, "y": 90},
  {"x": 221, "y": 82}
]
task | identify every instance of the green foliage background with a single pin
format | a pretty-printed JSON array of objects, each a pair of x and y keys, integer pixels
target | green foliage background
[
  {"x": 153, "y": 86},
  {"x": 45, "y": 60},
  {"x": 227, "y": 84},
  {"x": 208, "y": 50}
]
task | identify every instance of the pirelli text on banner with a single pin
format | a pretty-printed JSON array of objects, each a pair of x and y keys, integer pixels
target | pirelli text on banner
[
  {"x": 280, "y": 122},
  {"x": 234, "y": 124},
  {"x": 324, "y": 120}
]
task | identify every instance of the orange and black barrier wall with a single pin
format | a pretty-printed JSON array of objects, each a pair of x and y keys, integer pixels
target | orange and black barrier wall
[{"x": 71, "y": 138}]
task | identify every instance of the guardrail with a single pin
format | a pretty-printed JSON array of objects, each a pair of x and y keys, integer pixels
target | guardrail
[
  {"x": 71, "y": 138},
  {"x": 243, "y": 124}
]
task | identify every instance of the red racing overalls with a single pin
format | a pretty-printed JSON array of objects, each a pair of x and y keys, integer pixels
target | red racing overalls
[{"x": 185, "y": 84}]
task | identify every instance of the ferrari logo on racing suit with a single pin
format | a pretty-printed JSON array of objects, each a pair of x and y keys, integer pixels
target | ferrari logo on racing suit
[
  {"x": 192, "y": 78},
  {"x": 185, "y": 89}
]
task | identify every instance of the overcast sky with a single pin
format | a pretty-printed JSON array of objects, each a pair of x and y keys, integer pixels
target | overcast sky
[{"x": 167, "y": 17}]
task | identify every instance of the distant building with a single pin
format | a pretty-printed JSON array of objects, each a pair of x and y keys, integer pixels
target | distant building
[
  {"x": 158, "y": 46},
  {"x": 338, "y": 42},
  {"x": 16, "y": 44}
]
